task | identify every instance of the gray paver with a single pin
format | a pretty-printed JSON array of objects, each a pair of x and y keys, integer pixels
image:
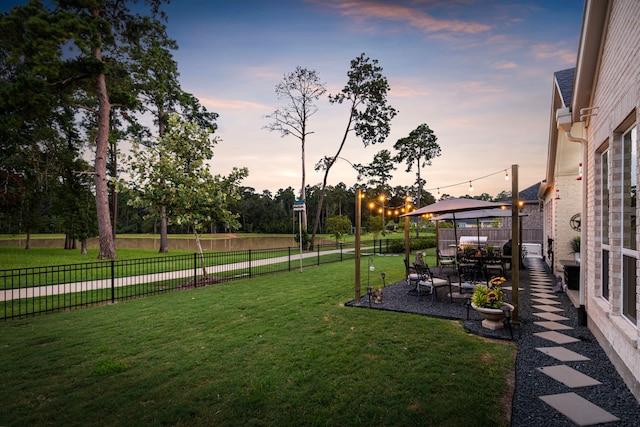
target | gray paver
[
  {"x": 556, "y": 337},
  {"x": 553, "y": 326},
  {"x": 568, "y": 376},
  {"x": 579, "y": 410},
  {"x": 549, "y": 308},
  {"x": 563, "y": 354},
  {"x": 550, "y": 316},
  {"x": 545, "y": 301},
  {"x": 543, "y": 295}
]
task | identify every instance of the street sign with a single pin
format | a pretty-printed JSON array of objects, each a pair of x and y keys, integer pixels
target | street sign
[{"x": 298, "y": 205}]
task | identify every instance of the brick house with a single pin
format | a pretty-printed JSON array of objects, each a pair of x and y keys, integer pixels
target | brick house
[{"x": 592, "y": 170}]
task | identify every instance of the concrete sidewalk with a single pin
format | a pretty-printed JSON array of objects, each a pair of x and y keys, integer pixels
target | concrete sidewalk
[{"x": 68, "y": 288}]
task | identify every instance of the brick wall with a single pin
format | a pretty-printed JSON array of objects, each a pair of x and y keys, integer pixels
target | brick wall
[{"x": 617, "y": 94}]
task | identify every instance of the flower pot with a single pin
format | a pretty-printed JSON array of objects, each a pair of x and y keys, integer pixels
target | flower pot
[{"x": 493, "y": 317}]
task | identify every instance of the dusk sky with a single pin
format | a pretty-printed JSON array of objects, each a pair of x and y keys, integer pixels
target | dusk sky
[{"x": 478, "y": 72}]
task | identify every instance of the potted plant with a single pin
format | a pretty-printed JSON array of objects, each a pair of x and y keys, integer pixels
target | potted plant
[
  {"x": 575, "y": 247},
  {"x": 489, "y": 302}
]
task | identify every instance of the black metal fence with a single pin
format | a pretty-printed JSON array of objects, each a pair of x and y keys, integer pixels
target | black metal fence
[{"x": 38, "y": 290}]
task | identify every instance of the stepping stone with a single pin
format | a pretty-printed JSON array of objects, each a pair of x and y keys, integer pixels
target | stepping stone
[
  {"x": 547, "y": 308},
  {"x": 541, "y": 289},
  {"x": 545, "y": 301},
  {"x": 578, "y": 409},
  {"x": 543, "y": 295},
  {"x": 553, "y": 326},
  {"x": 550, "y": 316},
  {"x": 556, "y": 337},
  {"x": 563, "y": 354},
  {"x": 569, "y": 376}
]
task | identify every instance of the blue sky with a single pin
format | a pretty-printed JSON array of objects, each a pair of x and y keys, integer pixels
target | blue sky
[{"x": 478, "y": 72}]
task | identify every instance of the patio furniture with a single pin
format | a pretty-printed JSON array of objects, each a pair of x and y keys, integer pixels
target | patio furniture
[
  {"x": 470, "y": 272},
  {"x": 446, "y": 260},
  {"x": 413, "y": 278},
  {"x": 494, "y": 265},
  {"x": 431, "y": 282}
]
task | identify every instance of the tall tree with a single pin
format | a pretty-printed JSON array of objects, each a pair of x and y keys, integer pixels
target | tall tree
[
  {"x": 418, "y": 149},
  {"x": 378, "y": 172},
  {"x": 300, "y": 90},
  {"x": 81, "y": 47},
  {"x": 155, "y": 75},
  {"x": 369, "y": 114}
]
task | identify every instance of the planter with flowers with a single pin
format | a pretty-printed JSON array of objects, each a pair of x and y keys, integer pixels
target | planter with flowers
[{"x": 489, "y": 302}]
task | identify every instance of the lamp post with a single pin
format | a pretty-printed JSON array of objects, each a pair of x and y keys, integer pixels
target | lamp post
[
  {"x": 382, "y": 199},
  {"x": 407, "y": 249},
  {"x": 359, "y": 196}
]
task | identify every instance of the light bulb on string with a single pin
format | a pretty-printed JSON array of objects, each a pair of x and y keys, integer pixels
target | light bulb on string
[
  {"x": 506, "y": 175},
  {"x": 470, "y": 186}
]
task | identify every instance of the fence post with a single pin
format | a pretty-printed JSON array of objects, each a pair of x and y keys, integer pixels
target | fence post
[
  {"x": 289, "y": 257},
  {"x": 318, "y": 254},
  {"x": 113, "y": 281},
  {"x": 341, "y": 246},
  {"x": 250, "y": 263}
]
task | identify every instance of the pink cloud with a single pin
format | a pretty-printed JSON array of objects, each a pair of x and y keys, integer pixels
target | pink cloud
[
  {"x": 545, "y": 51},
  {"x": 424, "y": 22},
  {"x": 233, "y": 104}
]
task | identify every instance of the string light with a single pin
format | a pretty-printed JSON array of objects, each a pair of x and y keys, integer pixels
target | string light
[{"x": 506, "y": 177}]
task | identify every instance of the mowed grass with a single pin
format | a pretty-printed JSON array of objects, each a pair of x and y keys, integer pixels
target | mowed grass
[{"x": 276, "y": 350}]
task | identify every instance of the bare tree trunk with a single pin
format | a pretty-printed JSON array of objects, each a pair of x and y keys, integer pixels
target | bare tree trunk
[
  {"x": 316, "y": 223},
  {"x": 199, "y": 246},
  {"x": 28, "y": 242},
  {"x": 303, "y": 191},
  {"x": 83, "y": 246},
  {"x": 164, "y": 240},
  {"x": 105, "y": 231}
]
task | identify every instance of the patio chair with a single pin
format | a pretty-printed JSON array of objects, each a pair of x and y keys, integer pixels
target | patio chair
[
  {"x": 413, "y": 278},
  {"x": 431, "y": 282},
  {"x": 470, "y": 275},
  {"x": 494, "y": 266},
  {"x": 446, "y": 260}
]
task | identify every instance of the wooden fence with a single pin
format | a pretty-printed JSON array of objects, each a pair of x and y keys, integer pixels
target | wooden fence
[{"x": 495, "y": 236}]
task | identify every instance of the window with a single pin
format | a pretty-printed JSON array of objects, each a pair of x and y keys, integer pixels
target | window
[
  {"x": 630, "y": 175},
  {"x": 629, "y": 223},
  {"x": 604, "y": 211}
]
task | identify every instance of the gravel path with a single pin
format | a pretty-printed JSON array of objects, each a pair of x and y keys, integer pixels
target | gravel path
[{"x": 528, "y": 409}]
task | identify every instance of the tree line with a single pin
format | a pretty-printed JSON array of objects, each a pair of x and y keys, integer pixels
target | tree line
[{"x": 79, "y": 78}]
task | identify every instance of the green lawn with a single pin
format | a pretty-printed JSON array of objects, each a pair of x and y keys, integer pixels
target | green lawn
[{"x": 269, "y": 351}]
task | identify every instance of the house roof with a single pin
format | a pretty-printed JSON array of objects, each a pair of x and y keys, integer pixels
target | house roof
[
  {"x": 530, "y": 194},
  {"x": 564, "y": 82}
]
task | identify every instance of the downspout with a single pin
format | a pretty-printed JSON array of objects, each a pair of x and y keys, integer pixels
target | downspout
[
  {"x": 564, "y": 123},
  {"x": 582, "y": 313}
]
